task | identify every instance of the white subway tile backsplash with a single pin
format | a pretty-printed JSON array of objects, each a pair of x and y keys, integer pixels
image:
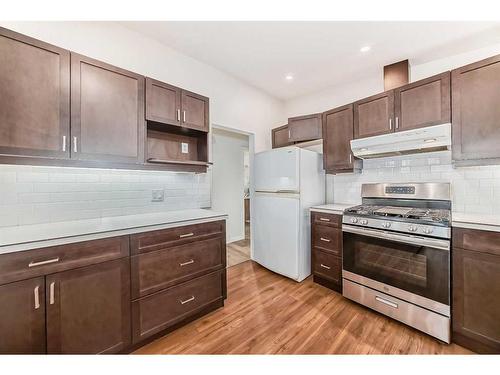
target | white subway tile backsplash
[
  {"x": 33, "y": 195},
  {"x": 475, "y": 189}
]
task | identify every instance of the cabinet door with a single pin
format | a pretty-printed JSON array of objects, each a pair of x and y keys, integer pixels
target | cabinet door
[
  {"x": 34, "y": 87},
  {"x": 280, "y": 136},
  {"x": 476, "y": 110},
  {"x": 163, "y": 102},
  {"x": 337, "y": 135},
  {"x": 304, "y": 128},
  {"x": 194, "y": 111},
  {"x": 88, "y": 309},
  {"x": 107, "y": 112},
  {"x": 423, "y": 103},
  {"x": 374, "y": 115},
  {"x": 22, "y": 317},
  {"x": 476, "y": 306}
]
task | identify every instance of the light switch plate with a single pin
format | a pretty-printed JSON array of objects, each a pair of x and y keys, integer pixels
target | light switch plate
[
  {"x": 184, "y": 148},
  {"x": 158, "y": 196}
]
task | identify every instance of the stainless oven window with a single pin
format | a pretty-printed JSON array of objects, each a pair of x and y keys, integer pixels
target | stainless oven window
[{"x": 415, "y": 268}]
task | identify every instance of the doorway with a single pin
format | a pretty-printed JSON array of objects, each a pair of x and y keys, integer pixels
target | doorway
[{"x": 232, "y": 152}]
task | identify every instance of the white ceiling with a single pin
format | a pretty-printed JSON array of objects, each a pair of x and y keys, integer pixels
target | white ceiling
[{"x": 317, "y": 54}]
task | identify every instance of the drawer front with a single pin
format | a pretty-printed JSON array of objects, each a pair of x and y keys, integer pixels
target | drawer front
[
  {"x": 161, "y": 239},
  {"x": 477, "y": 240},
  {"x": 161, "y": 310},
  {"x": 327, "y": 238},
  {"x": 326, "y": 219},
  {"x": 327, "y": 265},
  {"x": 158, "y": 270},
  {"x": 26, "y": 264}
]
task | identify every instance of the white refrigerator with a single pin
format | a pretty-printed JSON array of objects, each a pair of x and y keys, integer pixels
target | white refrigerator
[{"x": 287, "y": 182}]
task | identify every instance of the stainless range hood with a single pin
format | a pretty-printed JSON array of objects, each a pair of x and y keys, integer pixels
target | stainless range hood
[{"x": 429, "y": 139}]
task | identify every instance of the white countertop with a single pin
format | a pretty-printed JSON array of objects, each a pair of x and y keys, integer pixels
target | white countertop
[
  {"x": 28, "y": 237},
  {"x": 333, "y": 208},
  {"x": 476, "y": 221}
]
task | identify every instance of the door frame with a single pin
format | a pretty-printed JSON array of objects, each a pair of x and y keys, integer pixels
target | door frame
[{"x": 251, "y": 153}]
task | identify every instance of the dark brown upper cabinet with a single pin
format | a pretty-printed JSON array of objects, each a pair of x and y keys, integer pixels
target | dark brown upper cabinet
[
  {"x": 88, "y": 309},
  {"x": 34, "y": 87},
  {"x": 476, "y": 113},
  {"x": 194, "y": 111},
  {"x": 22, "y": 317},
  {"x": 304, "y": 128},
  {"x": 279, "y": 136},
  {"x": 338, "y": 131},
  {"x": 163, "y": 102},
  {"x": 171, "y": 105},
  {"x": 423, "y": 103},
  {"x": 107, "y": 112},
  {"x": 374, "y": 115}
]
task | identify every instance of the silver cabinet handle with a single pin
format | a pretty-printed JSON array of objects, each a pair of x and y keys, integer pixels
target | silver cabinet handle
[
  {"x": 75, "y": 144},
  {"x": 386, "y": 302},
  {"x": 186, "y": 235},
  {"x": 52, "y": 298},
  {"x": 36, "y": 292},
  {"x": 289, "y": 134},
  {"x": 324, "y": 239},
  {"x": 350, "y": 158},
  {"x": 187, "y": 300},
  {"x": 397, "y": 122},
  {"x": 325, "y": 266},
  {"x": 324, "y": 219},
  {"x": 390, "y": 124},
  {"x": 178, "y": 115},
  {"x": 191, "y": 261},
  {"x": 183, "y": 116},
  {"x": 64, "y": 143},
  {"x": 43, "y": 262}
]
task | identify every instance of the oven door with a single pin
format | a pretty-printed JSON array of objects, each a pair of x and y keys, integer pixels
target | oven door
[{"x": 413, "y": 268}]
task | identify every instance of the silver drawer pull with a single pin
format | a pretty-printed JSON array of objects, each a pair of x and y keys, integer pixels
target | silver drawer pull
[
  {"x": 36, "y": 292},
  {"x": 191, "y": 261},
  {"x": 324, "y": 219},
  {"x": 51, "y": 293},
  {"x": 386, "y": 302},
  {"x": 187, "y": 300},
  {"x": 186, "y": 235},
  {"x": 178, "y": 115},
  {"x": 324, "y": 239},
  {"x": 325, "y": 266},
  {"x": 43, "y": 262}
]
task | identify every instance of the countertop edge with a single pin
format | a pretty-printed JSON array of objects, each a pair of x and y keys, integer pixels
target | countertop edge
[
  {"x": 327, "y": 211},
  {"x": 6, "y": 249},
  {"x": 477, "y": 226}
]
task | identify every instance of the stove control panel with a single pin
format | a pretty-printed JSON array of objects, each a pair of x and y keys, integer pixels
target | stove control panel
[{"x": 400, "y": 190}]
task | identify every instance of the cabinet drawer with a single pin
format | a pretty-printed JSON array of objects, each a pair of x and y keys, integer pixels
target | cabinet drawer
[
  {"x": 161, "y": 239},
  {"x": 161, "y": 310},
  {"x": 158, "y": 270},
  {"x": 477, "y": 240},
  {"x": 327, "y": 238},
  {"x": 327, "y": 265},
  {"x": 326, "y": 219},
  {"x": 26, "y": 264}
]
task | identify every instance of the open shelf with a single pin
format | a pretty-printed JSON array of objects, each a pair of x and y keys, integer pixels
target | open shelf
[{"x": 177, "y": 147}]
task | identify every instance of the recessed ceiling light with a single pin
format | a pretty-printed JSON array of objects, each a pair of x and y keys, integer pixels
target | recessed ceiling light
[
  {"x": 365, "y": 48},
  {"x": 289, "y": 77}
]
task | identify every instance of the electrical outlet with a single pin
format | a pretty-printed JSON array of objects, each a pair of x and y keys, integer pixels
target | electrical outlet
[
  {"x": 158, "y": 196},
  {"x": 184, "y": 148}
]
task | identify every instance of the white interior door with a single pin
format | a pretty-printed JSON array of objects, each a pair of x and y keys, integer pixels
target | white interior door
[
  {"x": 277, "y": 170},
  {"x": 276, "y": 219}
]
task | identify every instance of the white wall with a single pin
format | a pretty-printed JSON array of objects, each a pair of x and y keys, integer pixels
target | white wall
[
  {"x": 232, "y": 102},
  {"x": 228, "y": 179}
]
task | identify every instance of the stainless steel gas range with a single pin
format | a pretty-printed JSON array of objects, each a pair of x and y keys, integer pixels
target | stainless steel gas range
[{"x": 396, "y": 254}]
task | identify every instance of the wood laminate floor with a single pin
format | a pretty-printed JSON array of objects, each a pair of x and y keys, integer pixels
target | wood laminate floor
[
  {"x": 268, "y": 314},
  {"x": 239, "y": 251}
]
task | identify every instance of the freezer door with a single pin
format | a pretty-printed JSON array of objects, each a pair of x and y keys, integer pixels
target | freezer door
[
  {"x": 276, "y": 221},
  {"x": 277, "y": 170}
]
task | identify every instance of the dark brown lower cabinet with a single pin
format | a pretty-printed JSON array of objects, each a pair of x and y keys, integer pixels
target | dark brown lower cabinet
[
  {"x": 88, "y": 309},
  {"x": 22, "y": 317},
  {"x": 476, "y": 304},
  {"x": 159, "y": 311}
]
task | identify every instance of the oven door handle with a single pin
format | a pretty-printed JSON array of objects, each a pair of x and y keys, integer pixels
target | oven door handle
[{"x": 403, "y": 238}]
